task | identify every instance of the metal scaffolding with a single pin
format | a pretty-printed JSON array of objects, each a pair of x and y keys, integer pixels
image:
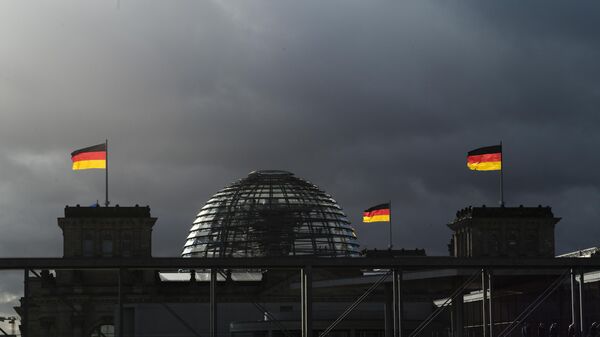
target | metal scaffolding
[{"x": 307, "y": 266}]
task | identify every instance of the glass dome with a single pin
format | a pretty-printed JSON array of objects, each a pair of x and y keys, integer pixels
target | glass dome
[{"x": 271, "y": 213}]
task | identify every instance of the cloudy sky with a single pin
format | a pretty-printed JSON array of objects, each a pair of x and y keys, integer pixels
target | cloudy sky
[{"x": 370, "y": 100}]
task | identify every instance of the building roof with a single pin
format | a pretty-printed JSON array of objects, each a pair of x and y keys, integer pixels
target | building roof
[
  {"x": 271, "y": 213},
  {"x": 504, "y": 212},
  {"x": 107, "y": 212}
]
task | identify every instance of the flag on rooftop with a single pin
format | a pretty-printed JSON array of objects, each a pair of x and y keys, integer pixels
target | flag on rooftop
[
  {"x": 487, "y": 158},
  {"x": 93, "y": 157},
  {"x": 379, "y": 213}
]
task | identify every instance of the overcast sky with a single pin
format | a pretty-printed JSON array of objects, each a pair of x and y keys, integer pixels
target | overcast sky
[{"x": 370, "y": 100}]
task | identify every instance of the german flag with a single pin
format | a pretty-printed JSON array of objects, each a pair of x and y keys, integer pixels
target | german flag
[
  {"x": 487, "y": 158},
  {"x": 93, "y": 157},
  {"x": 379, "y": 213}
]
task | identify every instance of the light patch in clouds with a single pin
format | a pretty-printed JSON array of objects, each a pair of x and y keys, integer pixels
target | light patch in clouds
[{"x": 37, "y": 162}]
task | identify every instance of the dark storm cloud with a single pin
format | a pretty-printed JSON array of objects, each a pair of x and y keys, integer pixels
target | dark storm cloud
[{"x": 369, "y": 100}]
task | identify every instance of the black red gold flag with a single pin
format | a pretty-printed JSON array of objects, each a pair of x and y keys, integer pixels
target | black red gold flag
[
  {"x": 379, "y": 213},
  {"x": 487, "y": 158},
  {"x": 93, "y": 157}
]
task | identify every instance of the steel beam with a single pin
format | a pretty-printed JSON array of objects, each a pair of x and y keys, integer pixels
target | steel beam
[
  {"x": 213, "y": 302},
  {"x": 573, "y": 300},
  {"x": 181, "y": 320},
  {"x": 456, "y": 293},
  {"x": 522, "y": 317},
  {"x": 581, "y": 296},
  {"x": 25, "y": 317},
  {"x": 397, "y": 301},
  {"x": 360, "y": 299},
  {"x": 297, "y": 262},
  {"x": 306, "y": 301},
  {"x": 484, "y": 303},
  {"x": 272, "y": 318},
  {"x": 490, "y": 303},
  {"x": 120, "y": 304},
  {"x": 389, "y": 313},
  {"x": 458, "y": 316}
]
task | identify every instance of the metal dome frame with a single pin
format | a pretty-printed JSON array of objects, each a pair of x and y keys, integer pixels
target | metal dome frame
[{"x": 271, "y": 213}]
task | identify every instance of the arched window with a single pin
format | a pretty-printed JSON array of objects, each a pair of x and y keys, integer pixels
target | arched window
[{"x": 105, "y": 330}]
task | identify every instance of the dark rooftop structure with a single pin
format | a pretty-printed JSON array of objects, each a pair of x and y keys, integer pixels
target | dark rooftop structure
[
  {"x": 504, "y": 212},
  {"x": 107, "y": 231},
  {"x": 503, "y": 232},
  {"x": 106, "y": 212}
]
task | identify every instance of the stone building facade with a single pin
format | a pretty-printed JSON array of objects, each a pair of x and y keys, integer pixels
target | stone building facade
[
  {"x": 503, "y": 232},
  {"x": 82, "y": 302}
]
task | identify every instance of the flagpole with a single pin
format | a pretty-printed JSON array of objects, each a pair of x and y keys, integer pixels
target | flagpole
[
  {"x": 501, "y": 175},
  {"x": 106, "y": 201},
  {"x": 390, "y": 247}
]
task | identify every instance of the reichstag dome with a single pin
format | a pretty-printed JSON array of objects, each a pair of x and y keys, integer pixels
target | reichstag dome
[{"x": 271, "y": 213}]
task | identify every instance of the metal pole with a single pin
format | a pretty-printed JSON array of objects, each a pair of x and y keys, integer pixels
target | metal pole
[
  {"x": 306, "y": 300},
  {"x": 106, "y": 170},
  {"x": 501, "y": 175},
  {"x": 484, "y": 302},
  {"x": 181, "y": 320},
  {"x": 213, "y": 302},
  {"x": 360, "y": 299},
  {"x": 120, "y": 305},
  {"x": 522, "y": 317},
  {"x": 389, "y": 310},
  {"x": 490, "y": 306},
  {"x": 573, "y": 298},
  {"x": 25, "y": 318},
  {"x": 581, "y": 293},
  {"x": 390, "y": 225},
  {"x": 457, "y": 315},
  {"x": 397, "y": 302}
]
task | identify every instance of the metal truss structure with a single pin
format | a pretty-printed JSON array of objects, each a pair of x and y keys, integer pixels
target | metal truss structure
[
  {"x": 307, "y": 265},
  {"x": 271, "y": 213}
]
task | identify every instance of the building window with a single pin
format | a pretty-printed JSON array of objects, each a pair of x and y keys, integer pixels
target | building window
[
  {"x": 107, "y": 245},
  {"x": 126, "y": 244},
  {"x": 88, "y": 245}
]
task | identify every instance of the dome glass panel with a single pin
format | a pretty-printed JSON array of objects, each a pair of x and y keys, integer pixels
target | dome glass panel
[{"x": 271, "y": 213}]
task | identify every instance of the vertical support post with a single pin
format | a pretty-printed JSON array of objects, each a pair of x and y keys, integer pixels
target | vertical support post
[
  {"x": 120, "y": 305},
  {"x": 490, "y": 306},
  {"x": 573, "y": 299},
  {"x": 389, "y": 310},
  {"x": 213, "y": 302},
  {"x": 501, "y": 176},
  {"x": 397, "y": 301},
  {"x": 306, "y": 300},
  {"x": 106, "y": 202},
  {"x": 391, "y": 244},
  {"x": 25, "y": 318},
  {"x": 458, "y": 314},
  {"x": 581, "y": 295},
  {"x": 484, "y": 302}
]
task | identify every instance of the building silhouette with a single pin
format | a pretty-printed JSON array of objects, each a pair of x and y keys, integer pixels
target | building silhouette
[
  {"x": 274, "y": 214},
  {"x": 503, "y": 232}
]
